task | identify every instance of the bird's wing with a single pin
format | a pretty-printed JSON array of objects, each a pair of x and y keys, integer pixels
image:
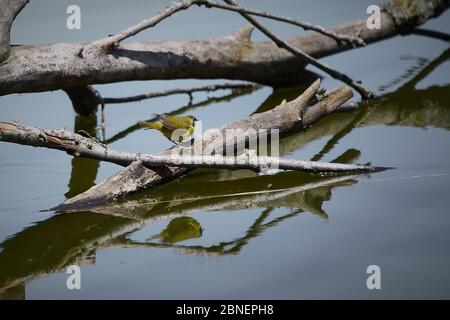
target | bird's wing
[
  {"x": 150, "y": 125},
  {"x": 173, "y": 123}
]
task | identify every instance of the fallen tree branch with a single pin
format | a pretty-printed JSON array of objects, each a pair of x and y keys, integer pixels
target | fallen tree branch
[
  {"x": 56, "y": 66},
  {"x": 114, "y": 40},
  {"x": 184, "y": 4},
  {"x": 423, "y": 108},
  {"x": 80, "y": 146},
  {"x": 357, "y": 85},
  {"x": 285, "y": 118},
  {"x": 339, "y": 38},
  {"x": 189, "y": 91}
]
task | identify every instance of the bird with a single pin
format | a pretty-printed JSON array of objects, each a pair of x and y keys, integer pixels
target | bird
[{"x": 183, "y": 127}]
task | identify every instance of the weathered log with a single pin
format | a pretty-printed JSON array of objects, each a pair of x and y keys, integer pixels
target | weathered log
[
  {"x": 56, "y": 66},
  {"x": 286, "y": 118}
]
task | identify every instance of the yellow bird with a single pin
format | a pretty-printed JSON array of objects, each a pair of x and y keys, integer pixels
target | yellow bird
[{"x": 176, "y": 129}]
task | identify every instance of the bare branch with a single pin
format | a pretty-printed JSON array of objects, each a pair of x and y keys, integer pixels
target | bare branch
[
  {"x": 189, "y": 91},
  {"x": 184, "y": 4},
  {"x": 75, "y": 144},
  {"x": 366, "y": 94},
  {"x": 340, "y": 38},
  {"x": 114, "y": 40}
]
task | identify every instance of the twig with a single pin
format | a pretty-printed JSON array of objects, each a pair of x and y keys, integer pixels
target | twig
[
  {"x": 75, "y": 144},
  {"x": 340, "y": 38},
  {"x": 185, "y": 4},
  {"x": 366, "y": 94},
  {"x": 114, "y": 40},
  {"x": 188, "y": 91}
]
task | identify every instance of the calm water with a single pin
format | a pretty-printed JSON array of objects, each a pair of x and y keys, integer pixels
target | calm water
[{"x": 313, "y": 239}]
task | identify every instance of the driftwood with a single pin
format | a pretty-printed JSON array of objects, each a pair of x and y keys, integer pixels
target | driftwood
[
  {"x": 287, "y": 117},
  {"x": 114, "y": 40},
  {"x": 57, "y": 66},
  {"x": 80, "y": 146}
]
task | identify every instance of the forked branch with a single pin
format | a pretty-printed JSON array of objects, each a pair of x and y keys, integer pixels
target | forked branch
[{"x": 357, "y": 85}]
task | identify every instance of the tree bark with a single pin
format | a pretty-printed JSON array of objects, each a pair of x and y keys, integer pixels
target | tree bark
[
  {"x": 9, "y": 9},
  {"x": 58, "y": 66},
  {"x": 79, "y": 146}
]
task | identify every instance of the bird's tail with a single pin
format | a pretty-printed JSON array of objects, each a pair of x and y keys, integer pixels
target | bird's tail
[{"x": 150, "y": 125}]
